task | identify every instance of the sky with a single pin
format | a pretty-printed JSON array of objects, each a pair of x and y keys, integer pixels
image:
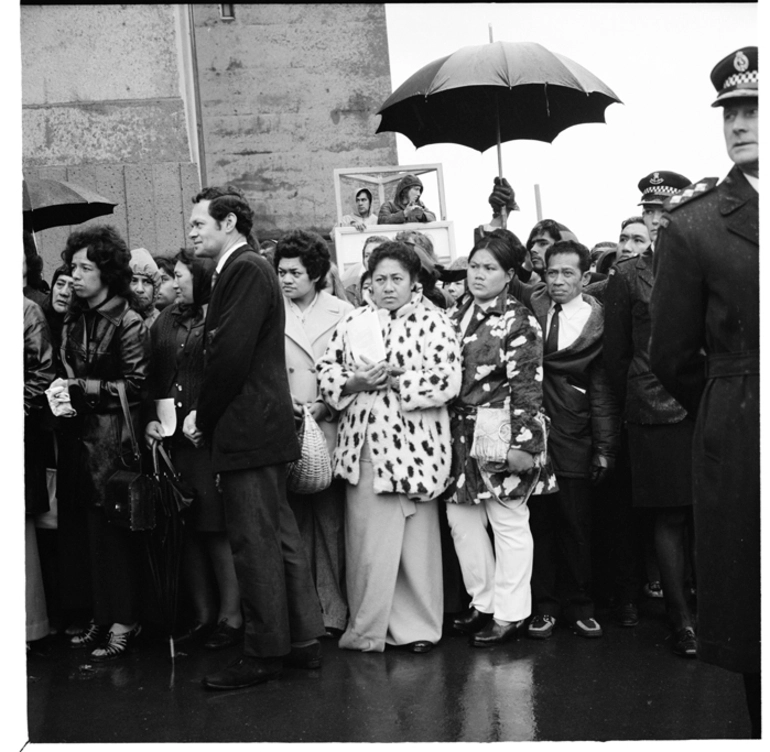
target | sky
[{"x": 655, "y": 57}]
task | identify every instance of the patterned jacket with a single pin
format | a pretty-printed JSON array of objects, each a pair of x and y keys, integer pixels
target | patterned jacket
[
  {"x": 408, "y": 432},
  {"x": 502, "y": 351}
]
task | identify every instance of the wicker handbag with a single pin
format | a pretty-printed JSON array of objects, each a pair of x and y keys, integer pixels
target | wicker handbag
[{"x": 312, "y": 472}]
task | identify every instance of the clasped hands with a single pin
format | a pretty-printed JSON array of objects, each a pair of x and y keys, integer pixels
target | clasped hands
[{"x": 372, "y": 377}]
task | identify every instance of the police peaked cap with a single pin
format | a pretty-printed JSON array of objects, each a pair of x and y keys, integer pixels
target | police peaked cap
[
  {"x": 737, "y": 75},
  {"x": 659, "y": 186}
]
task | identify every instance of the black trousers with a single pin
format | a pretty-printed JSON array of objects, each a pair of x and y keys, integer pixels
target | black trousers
[
  {"x": 279, "y": 602},
  {"x": 561, "y": 570}
]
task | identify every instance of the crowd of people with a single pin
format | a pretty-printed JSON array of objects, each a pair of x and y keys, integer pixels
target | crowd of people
[{"x": 474, "y": 416}]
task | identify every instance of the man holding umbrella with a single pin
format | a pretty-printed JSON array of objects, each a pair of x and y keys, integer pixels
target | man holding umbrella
[{"x": 705, "y": 351}]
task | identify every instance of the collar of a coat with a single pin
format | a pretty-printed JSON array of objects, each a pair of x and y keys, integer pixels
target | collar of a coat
[
  {"x": 737, "y": 207},
  {"x": 498, "y": 307},
  {"x": 407, "y": 309},
  {"x": 112, "y": 309},
  {"x": 592, "y": 331}
]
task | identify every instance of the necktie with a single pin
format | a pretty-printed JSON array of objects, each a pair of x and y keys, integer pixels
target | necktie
[
  {"x": 552, "y": 343},
  {"x": 214, "y": 278}
]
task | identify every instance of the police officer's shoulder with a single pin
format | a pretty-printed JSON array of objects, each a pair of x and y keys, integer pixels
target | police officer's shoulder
[
  {"x": 623, "y": 266},
  {"x": 691, "y": 193}
]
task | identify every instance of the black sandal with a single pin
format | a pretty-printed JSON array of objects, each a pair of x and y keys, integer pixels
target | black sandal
[
  {"x": 90, "y": 636},
  {"x": 115, "y": 645}
]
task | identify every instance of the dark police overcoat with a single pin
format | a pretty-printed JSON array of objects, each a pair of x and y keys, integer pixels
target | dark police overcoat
[{"x": 705, "y": 351}]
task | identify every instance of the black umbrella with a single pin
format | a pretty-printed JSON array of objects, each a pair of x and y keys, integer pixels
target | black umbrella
[
  {"x": 56, "y": 203},
  {"x": 484, "y": 95}
]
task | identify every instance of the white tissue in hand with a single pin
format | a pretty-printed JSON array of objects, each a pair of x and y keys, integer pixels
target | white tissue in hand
[{"x": 59, "y": 399}]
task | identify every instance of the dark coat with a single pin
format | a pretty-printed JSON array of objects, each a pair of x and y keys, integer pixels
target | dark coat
[
  {"x": 245, "y": 409},
  {"x": 705, "y": 350},
  {"x": 38, "y": 375},
  {"x": 585, "y": 420},
  {"x": 177, "y": 363},
  {"x": 627, "y": 345},
  {"x": 100, "y": 347}
]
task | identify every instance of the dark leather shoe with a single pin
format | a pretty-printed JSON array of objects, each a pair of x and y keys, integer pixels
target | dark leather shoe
[
  {"x": 332, "y": 633},
  {"x": 684, "y": 643},
  {"x": 244, "y": 672},
  {"x": 224, "y": 636},
  {"x": 495, "y": 634},
  {"x": 471, "y": 621},
  {"x": 628, "y": 615},
  {"x": 196, "y": 633},
  {"x": 308, "y": 657}
]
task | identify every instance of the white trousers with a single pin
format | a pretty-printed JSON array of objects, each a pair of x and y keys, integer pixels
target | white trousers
[{"x": 500, "y": 584}]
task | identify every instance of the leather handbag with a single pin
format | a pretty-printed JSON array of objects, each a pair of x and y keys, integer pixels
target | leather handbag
[
  {"x": 130, "y": 496},
  {"x": 312, "y": 472}
]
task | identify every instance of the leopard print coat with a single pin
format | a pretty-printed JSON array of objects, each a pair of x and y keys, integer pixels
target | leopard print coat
[{"x": 407, "y": 432}]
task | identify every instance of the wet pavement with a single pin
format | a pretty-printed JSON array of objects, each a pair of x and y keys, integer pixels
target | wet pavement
[{"x": 627, "y": 685}]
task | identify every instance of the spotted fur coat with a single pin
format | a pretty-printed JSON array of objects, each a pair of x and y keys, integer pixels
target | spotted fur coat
[{"x": 407, "y": 432}]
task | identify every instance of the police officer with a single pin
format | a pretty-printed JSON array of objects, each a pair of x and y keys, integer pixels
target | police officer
[
  {"x": 658, "y": 430},
  {"x": 656, "y": 188},
  {"x": 705, "y": 350}
]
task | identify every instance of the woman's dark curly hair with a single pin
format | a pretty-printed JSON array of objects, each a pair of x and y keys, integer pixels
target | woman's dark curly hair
[
  {"x": 109, "y": 252},
  {"x": 400, "y": 252},
  {"x": 311, "y": 249}
]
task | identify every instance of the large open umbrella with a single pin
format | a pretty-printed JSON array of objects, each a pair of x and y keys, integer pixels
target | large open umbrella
[
  {"x": 487, "y": 94},
  {"x": 56, "y": 203}
]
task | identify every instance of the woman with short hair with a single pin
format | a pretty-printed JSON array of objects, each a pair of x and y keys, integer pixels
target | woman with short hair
[
  {"x": 303, "y": 263},
  {"x": 393, "y": 451},
  {"x": 104, "y": 344}
]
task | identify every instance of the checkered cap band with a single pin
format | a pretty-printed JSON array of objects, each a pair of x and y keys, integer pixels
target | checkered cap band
[
  {"x": 749, "y": 77},
  {"x": 666, "y": 190}
]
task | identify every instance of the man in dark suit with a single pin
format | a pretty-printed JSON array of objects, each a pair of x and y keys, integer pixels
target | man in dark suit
[
  {"x": 582, "y": 443},
  {"x": 245, "y": 413},
  {"x": 705, "y": 351}
]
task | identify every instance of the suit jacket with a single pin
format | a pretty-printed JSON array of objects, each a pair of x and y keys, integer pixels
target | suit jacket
[
  {"x": 305, "y": 344},
  {"x": 585, "y": 421},
  {"x": 244, "y": 409}
]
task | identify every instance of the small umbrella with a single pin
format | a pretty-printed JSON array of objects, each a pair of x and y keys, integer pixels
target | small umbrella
[
  {"x": 483, "y": 95},
  {"x": 55, "y": 203}
]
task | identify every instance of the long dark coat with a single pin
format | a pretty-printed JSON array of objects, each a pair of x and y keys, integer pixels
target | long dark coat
[
  {"x": 585, "y": 420},
  {"x": 627, "y": 345},
  {"x": 705, "y": 351},
  {"x": 245, "y": 407}
]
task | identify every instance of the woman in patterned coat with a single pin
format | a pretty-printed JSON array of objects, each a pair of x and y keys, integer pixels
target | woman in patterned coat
[
  {"x": 502, "y": 390},
  {"x": 393, "y": 451}
]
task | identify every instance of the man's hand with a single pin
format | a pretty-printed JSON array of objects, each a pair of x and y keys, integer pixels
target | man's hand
[
  {"x": 190, "y": 430},
  {"x": 369, "y": 377},
  {"x": 601, "y": 469},
  {"x": 153, "y": 432},
  {"x": 520, "y": 461},
  {"x": 502, "y": 196},
  {"x": 359, "y": 224}
]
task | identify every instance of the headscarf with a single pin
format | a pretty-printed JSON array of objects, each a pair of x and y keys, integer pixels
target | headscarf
[{"x": 142, "y": 263}]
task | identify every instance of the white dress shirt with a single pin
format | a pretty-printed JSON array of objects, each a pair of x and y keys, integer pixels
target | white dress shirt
[{"x": 572, "y": 319}]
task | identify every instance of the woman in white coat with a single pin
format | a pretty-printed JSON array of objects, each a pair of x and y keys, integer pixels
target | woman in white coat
[
  {"x": 393, "y": 450},
  {"x": 302, "y": 262}
]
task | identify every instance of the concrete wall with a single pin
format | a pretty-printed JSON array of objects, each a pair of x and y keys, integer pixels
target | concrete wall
[
  {"x": 102, "y": 106},
  {"x": 288, "y": 93}
]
